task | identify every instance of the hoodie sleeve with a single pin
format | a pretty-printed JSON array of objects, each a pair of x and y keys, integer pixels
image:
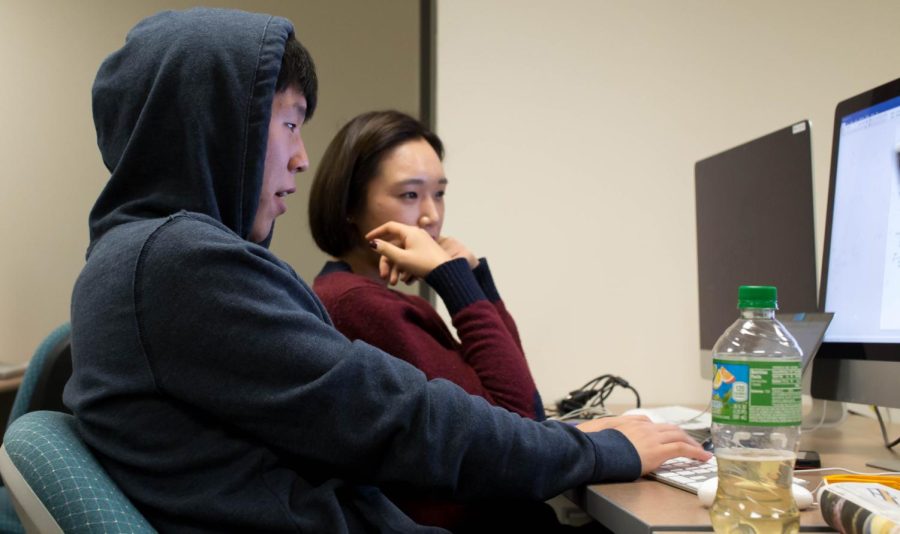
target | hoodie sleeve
[{"x": 258, "y": 352}]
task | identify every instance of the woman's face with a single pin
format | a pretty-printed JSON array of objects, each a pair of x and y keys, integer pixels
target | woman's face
[{"x": 409, "y": 188}]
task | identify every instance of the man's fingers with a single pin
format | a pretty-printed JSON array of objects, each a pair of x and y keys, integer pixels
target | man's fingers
[
  {"x": 657, "y": 443},
  {"x": 680, "y": 448},
  {"x": 674, "y": 434},
  {"x": 660, "y": 429},
  {"x": 681, "y": 444}
]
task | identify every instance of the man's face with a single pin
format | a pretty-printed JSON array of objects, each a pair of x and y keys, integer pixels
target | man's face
[{"x": 285, "y": 156}]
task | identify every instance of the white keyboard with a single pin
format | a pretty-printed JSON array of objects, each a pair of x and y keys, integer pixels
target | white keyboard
[{"x": 685, "y": 473}]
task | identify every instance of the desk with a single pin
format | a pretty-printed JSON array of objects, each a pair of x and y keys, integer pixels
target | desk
[
  {"x": 10, "y": 384},
  {"x": 648, "y": 506},
  {"x": 8, "y": 389}
]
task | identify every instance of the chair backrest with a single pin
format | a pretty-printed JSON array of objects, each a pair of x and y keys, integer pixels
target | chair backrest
[
  {"x": 46, "y": 376},
  {"x": 56, "y": 483},
  {"x": 41, "y": 389}
]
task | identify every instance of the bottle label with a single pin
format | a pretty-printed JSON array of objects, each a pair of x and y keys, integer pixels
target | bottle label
[{"x": 756, "y": 393}]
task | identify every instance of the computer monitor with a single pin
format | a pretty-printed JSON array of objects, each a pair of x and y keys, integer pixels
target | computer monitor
[
  {"x": 754, "y": 207},
  {"x": 859, "y": 360}
]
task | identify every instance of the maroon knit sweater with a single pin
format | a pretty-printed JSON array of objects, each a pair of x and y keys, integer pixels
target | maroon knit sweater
[{"x": 487, "y": 360}]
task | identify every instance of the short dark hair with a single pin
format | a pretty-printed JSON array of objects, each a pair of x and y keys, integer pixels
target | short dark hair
[
  {"x": 298, "y": 71},
  {"x": 350, "y": 162}
]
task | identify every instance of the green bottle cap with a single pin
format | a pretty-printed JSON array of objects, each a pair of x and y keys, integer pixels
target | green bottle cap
[{"x": 757, "y": 297}]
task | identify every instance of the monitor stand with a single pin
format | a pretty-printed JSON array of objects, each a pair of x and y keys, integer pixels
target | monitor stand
[{"x": 823, "y": 413}]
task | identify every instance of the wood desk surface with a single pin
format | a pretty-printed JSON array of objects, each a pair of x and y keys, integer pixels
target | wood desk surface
[
  {"x": 651, "y": 506},
  {"x": 10, "y": 384}
]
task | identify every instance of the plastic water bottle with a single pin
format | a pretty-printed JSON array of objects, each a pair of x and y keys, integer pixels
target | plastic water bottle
[{"x": 756, "y": 415}]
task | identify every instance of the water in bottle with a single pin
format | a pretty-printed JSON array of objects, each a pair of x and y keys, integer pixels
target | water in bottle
[{"x": 756, "y": 414}]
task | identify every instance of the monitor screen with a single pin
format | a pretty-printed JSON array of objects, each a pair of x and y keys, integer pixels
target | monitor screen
[
  {"x": 861, "y": 263},
  {"x": 754, "y": 206}
]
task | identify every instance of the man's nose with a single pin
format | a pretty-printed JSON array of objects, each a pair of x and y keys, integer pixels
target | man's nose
[{"x": 300, "y": 160}]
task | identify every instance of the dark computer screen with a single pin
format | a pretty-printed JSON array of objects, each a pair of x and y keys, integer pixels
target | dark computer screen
[
  {"x": 754, "y": 206},
  {"x": 859, "y": 360}
]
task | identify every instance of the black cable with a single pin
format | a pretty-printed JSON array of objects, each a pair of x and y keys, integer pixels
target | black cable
[
  {"x": 891, "y": 444},
  {"x": 594, "y": 393}
]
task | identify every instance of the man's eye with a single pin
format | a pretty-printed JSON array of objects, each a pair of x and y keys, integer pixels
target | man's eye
[
  {"x": 291, "y": 126},
  {"x": 440, "y": 194},
  {"x": 410, "y": 195}
]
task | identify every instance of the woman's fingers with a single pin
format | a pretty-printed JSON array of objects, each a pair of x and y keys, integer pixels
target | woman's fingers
[
  {"x": 408, "y": 249},
  {"x": 384, "y": 267},
  {"x": 395, "y": 275},
  {"x": 456, "y": 249},
  {"x": 387, "y": 269},
  {"x": 389, "y": 231}
]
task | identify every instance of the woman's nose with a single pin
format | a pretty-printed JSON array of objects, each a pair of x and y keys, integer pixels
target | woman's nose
[{"x": 429, "y": 215}]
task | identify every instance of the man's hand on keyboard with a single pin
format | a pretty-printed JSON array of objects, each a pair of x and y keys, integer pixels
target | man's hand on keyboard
[
  {"x": 596, "y": 425},
  {"x": 657, "y": 442}
]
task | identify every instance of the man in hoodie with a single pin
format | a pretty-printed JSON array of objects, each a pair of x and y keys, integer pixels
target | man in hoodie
[{"x": 207, "y": 376}]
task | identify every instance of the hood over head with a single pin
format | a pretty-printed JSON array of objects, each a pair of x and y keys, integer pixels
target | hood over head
[{"x": 182, "y": 113}]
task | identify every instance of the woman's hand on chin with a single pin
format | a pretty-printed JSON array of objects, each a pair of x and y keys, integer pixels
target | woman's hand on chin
[{"x": 407, "y": 252}]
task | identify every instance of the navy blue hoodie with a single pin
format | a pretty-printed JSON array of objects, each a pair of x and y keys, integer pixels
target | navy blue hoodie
[{"x": 207, "y": 376}]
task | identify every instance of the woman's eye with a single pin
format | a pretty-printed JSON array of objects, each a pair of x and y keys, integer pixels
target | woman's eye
[
  {"x": 410, "y": 195},
  {"x": 291, "y": 126}
]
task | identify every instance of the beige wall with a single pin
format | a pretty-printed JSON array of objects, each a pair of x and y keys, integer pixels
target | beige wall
[
  {"x": 572, "y": 129},
  {"x": 367, "y": 56}
]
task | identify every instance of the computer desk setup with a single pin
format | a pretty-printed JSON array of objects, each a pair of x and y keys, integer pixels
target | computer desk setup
[
  {"x": 649, "y": 506},
  {"x": 755, "y": 226}
]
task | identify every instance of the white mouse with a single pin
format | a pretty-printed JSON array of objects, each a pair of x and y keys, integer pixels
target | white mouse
[{"x": 707, "y": 492}]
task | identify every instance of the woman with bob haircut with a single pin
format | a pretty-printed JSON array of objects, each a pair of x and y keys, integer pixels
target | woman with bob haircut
[
  {"x": 382, "y": 175},
  {"x": 385, "y": 166}
]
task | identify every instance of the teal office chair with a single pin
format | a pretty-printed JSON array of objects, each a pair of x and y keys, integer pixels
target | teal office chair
[
  {"x": 56, "y": 483},
  {"x": 41, "y": 389},
  {"x": 48, "y": 370}
]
